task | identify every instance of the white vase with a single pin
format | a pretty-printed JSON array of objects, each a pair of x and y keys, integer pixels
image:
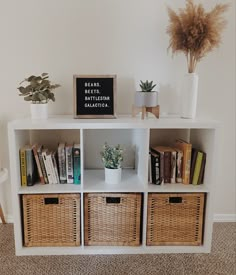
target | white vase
[
  {"x": 148, "y": 99},
  {"x": 112, "y": 176},
  {"x": 189, "y": 95},
  {"x": 39, "y": 111}
]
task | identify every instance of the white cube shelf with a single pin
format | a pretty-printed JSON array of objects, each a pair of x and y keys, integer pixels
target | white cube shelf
[{"x": 136, "y": 136}]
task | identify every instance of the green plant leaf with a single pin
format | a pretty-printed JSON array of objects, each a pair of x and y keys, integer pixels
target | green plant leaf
[
  {"x": 44, "y": 74},
  {"x": 28, "y": 98}
]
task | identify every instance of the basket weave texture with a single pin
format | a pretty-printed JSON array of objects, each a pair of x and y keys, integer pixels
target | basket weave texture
[
  {"x": 51, "y": 220},
  {"x": 112, "y": 219},
  {"x": 175, "y": 219}
]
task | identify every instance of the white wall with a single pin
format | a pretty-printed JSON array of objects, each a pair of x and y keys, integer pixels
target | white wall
[{"x": 127, "y": 38}]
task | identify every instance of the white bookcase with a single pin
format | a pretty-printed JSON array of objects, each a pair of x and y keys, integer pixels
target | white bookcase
[{"x": 136, "y": 136}]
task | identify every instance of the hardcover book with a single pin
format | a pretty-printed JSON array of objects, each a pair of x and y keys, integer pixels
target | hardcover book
[
  {"x": 23, "y": 166},
  {"x": 69, "y": 164},
  {"x": 76, "y": 164},
  {"x": 187, "y": 149},
  {"x": 62, "y": 162}
]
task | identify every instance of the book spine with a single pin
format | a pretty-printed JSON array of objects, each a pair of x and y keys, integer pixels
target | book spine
[
  {"x": 62, "y": 163},
  {"x": 167, "y": 167},
  {"x": 47, "y": 167},
  {"x": 69, "y": 164},
  {"x": 43, "y": 166},
  {"x": 187, "y": 164},
  {"x": 29, "y": 167},
  {"x": 161, "y": 168},
  {"x": 179, "y": 167},
  {"x": 23, "y": 167},
  {"x": 197, "y": 168},
  {"x": 173, "y": 167},
  {"x": 55, "y": 168},
  {"x": 201, "y": 175},
  {"x": 76, "y": 166},
  {"x": 149, "y": 168},
  {"x": 53, "y": 173},
  {"x": 36, "y": 157}
]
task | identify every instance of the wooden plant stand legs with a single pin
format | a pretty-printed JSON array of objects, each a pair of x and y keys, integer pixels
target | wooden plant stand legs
[
  {"x": 154, "y": 110},
  {"x": 1, "y": 215}
]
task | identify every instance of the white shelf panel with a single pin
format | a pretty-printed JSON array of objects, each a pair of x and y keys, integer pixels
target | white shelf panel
[
  {"x": 50, "y": 189},
  {"x": 94, "y": 181},
  {"x": 83, "y": 250},
  {"x": 122, "y": 121},
  {"x": 177, "y": 188}
]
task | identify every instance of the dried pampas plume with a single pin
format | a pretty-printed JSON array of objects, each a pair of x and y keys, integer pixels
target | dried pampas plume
[{"x": 195, "y": 32}]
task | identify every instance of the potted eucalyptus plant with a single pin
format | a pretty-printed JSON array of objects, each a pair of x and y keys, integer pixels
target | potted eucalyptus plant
[
  {"x": 147, "y": 96},
  {"x": 38, "y": 91},
  {"x": 112, "y": 157}
]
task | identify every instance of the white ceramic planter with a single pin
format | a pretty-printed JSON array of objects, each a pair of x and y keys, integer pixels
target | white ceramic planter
[
  {"x": 112, "y": 176},
  {"x": 39, "y": 111},
  {"x": 189, "y": 95},
  {"x": 148, "y": 99}
]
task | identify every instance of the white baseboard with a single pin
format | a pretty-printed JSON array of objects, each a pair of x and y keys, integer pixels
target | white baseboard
[
  {"x": 217, "y": 218},
  {"x": 225, "y": 218},
  {"x": 8, "y": 218}
]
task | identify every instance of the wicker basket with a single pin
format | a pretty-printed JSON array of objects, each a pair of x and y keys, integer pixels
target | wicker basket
[
  {"x": 175, "y": 219},
  {"x": 113, "y": 219},
  {"x": 51, "y": 220}
]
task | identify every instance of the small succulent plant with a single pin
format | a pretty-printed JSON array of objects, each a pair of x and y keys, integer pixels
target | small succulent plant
[
  {"x": 147, "y": 86},
  {"x": 39, "y": 89},
  {"x": 112, "y": 157}
]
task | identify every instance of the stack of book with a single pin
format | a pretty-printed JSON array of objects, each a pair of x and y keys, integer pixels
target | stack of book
[
  {"x": 50, "y": 167},
  {"x": 178, "y": 164}
]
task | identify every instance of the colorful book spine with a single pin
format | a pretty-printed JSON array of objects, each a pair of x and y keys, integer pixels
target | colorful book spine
[
  {"x": 173, "y": 167},
  {"x": 76, "y": 164},
  {"x": 201, "y": 175},
  {"x": 187, "y": 150},
  {"x": 36, "y": 157},
  {"x": 69, "y": 164},
  {"x": 197, "y": 168},
  {"x": 53, "y": 155},
  {"x": 30, "y": 166},
  {"x": 39, "y": 152},
  {"x": 23, "y": 167},
  {"x": 62, "y": 162},
  {"x": 179, "y": 166},
  {"x": 47, "y": 166}
]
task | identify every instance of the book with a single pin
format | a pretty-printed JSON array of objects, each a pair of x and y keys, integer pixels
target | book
[
  {"x": 149, "y": 168},
  {"x": 30, "y": 166},
  {"x": 62, "y": 162},
  {"x": 39, "y": 169},
  {"x": 46, "y": 160},
  {"x": 55, "y": 166},
  {"x": 39, "y": 152},
  {"x": 69, "y": 164},
  {"x": 23, "y": 166},
  {"x": 165, "y": 162},
  {"x": 187, "y": 149},
  {"x": 155, "y": 168},
  {"x": 76, "y": 163},
  {"x": 179, "y": 165},
  {"x": 202, "y": 170},
  {"x": 197, "y": 167},
  {"x": 173, "y": 166},
  {"x": 193, "y": 162}
]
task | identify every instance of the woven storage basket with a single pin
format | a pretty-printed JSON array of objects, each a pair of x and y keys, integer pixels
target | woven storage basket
[
  {"x": 113, "y": 219},
  {"x": 175, "y": 219},
  {"x": 51, "y": 220}
]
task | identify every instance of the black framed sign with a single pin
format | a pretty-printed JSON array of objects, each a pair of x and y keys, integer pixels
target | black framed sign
[{"x": 94, "y": 96}]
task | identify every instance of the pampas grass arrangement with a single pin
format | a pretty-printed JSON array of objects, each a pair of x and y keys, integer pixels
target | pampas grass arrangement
[{"x": 195, "y": 32}]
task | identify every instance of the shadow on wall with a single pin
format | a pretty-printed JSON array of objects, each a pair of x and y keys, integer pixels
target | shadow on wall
[
  {"x": 169, "y": 99},
  {"x": 125, "y": 95}
]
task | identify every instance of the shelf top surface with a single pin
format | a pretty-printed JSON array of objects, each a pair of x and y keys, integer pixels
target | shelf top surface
[{"x": 122, "y": 121}]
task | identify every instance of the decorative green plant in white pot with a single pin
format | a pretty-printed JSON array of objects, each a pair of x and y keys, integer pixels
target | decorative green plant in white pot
[
  {"x": 112, "y": 157},
  {"x": 39, "y": 93},
  {"x": 147, "y": 96}
]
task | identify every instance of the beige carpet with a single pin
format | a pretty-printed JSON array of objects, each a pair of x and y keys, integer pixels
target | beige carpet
[{"x": 222, "y": 260}]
